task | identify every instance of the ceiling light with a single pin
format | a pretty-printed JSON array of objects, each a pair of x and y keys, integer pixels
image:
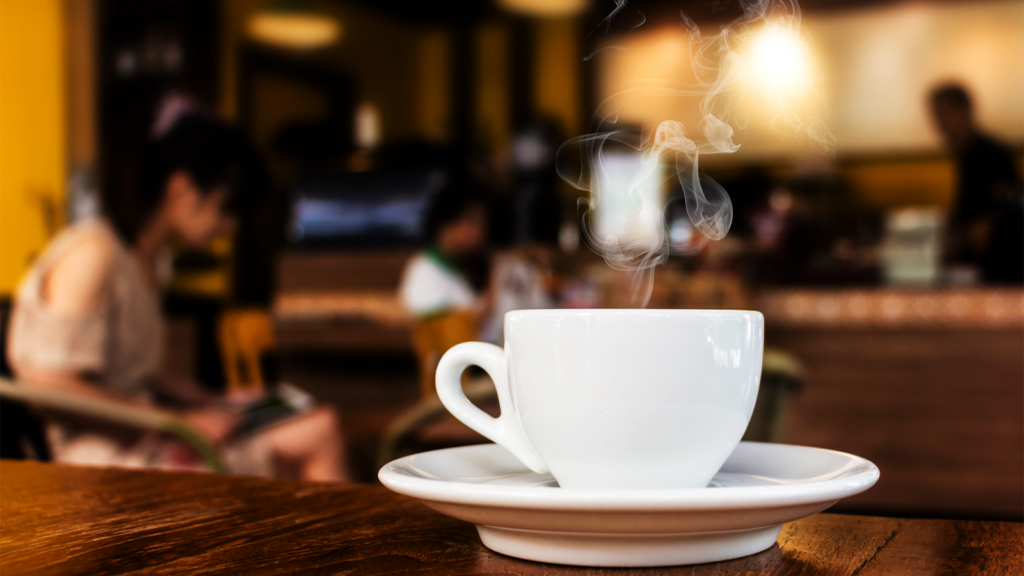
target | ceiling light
[
  {"x": 780, "y": 58},
  {"x": 545, "y": 8},
  {"x": 294, "y": 30}
]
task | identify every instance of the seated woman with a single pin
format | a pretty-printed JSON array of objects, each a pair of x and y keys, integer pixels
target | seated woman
[
  {"x": 434, "y": 282},
  {"x": 87, "y": 317},
  {"x": 435, "y": 289}
]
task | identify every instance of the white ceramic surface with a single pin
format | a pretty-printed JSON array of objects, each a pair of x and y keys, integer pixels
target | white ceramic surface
[
  {"x": 525, "y": 514},
  {"x": 616, "y": 398}
]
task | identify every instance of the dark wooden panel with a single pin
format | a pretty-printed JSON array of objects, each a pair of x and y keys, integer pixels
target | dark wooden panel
[
  {"x": 940, "y": 412},
  {"x": 340, "y": 271},
  {"x": 60, "y": 520},
  {"x": 347, "y": 335}
]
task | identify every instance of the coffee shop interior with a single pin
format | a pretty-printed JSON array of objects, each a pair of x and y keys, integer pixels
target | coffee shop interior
[{"x": 348, "y": 188}]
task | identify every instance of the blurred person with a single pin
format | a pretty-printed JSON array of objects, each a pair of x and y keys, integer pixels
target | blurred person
[
  {"x": 87, "y": 319},
  {"x": 986, "y": 223},
  {"x": 521, "y": 276},
  {"x": 521, "y": 279},
  {"x": 435, "y": 281}
]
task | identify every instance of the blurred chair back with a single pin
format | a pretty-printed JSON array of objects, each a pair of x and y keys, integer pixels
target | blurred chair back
[
  {"x": 781, "y": 378},
  {"x": 248, "y": 346},
  {"x": 22, "y": 428},
  {"x": 21, "y": 432},
  {"x": 433, "y": 337},
  {"x": 429, "y": 426},
  {"x": 106, "y": 412}
]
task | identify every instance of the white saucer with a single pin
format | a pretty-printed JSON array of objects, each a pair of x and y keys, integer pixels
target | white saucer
[{"x": 524, "y": 514}]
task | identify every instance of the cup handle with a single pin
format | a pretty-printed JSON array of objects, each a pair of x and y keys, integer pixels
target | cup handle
[{"x": 503, "y": 430}]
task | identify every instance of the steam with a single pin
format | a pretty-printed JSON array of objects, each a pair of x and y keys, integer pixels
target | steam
[
  {"x": 606, "y": 24},
  {"x": 749, "y": 60}
]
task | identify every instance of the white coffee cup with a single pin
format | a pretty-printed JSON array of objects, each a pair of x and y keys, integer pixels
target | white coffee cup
[{"x": 616, "y": 398}]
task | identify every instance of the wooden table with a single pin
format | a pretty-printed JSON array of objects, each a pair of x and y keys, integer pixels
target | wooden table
[{"x": 60, "y": 519}]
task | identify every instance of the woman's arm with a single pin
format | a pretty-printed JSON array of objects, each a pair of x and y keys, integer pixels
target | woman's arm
[
  {"x": 79, "y": 385},
  {"x": 215, "y": 424}
]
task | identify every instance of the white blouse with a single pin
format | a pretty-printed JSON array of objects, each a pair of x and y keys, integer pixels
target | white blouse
[{"x": 430, "y": 286}]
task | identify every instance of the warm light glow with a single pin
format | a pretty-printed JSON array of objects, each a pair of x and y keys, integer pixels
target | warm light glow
[
  {"x": 297, "y": 31},
  {"x": 874, "y": 65},
  {"x": 781, "y": 71},
  {"x": 545, "y": 8},
  {"x": 779, "y": 58},
  {"x": 367, "y": 126}
]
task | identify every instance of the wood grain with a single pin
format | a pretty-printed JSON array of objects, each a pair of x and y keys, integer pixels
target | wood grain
[
  {"x": 939, "y": 412},
  {"x": 341, "y": 334},
  {"x": 342, "y": 270},
  {"x": 59, "y": 519}
]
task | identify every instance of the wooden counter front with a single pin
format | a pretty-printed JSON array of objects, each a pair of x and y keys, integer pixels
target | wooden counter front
[
  {"x": 929, "y": 385},
  {"x": 945, "y": 309}
]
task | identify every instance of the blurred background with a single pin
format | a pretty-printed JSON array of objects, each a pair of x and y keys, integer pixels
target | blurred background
[{"x": 896, "y": 328}]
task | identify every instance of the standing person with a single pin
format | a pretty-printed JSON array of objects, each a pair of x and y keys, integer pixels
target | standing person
[
  {"x": 986, "y": 223},
  {"x": 87, "y": 318}
]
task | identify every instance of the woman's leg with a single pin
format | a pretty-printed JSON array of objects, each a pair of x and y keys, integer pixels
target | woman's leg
[{"x": 313, "y": 444}]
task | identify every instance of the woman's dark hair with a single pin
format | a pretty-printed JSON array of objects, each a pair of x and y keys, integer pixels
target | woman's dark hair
[
  {"x": 212, "y": 153},
  {"x": 448, "y": 205}
]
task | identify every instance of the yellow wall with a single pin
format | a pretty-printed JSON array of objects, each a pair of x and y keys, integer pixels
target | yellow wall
[{"x": 32, "y": 131}]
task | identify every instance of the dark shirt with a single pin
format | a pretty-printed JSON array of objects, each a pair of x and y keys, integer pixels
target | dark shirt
[
  {"x": 988, "y": 189},
  {"x": 983, "y": 165}
]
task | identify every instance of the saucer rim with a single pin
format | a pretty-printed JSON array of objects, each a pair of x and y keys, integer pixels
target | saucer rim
[{"x": 611, "y": 500}]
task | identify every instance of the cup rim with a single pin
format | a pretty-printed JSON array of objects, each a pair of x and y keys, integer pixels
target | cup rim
[{"x": 630, "y": 311}]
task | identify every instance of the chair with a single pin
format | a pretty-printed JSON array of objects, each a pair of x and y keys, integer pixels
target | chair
[
  {"x": 402, "y": 433},
  {"x": 432, "y": 337},
  {"x": 781, "y": 378},
  {"x": 23, "y": 428},
  {"x": 107, "y": 412},
  {"x": 247, "y": 347},
  {"x": 21, "y": 432},
  {"x": 428, "y": 425}
]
